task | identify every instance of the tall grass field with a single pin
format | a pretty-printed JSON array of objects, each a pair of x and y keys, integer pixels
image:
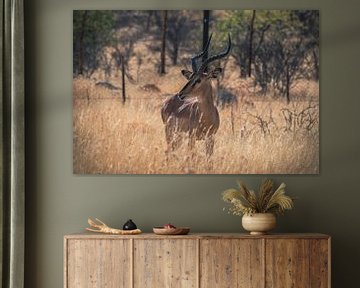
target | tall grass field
[{"x": 257, "y": 134}]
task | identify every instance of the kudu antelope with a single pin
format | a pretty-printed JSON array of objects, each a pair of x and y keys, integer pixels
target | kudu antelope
[{"x": 192, "y": 111}]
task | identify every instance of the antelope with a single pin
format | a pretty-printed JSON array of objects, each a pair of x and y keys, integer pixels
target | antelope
[{"x": 192, "y": 111}]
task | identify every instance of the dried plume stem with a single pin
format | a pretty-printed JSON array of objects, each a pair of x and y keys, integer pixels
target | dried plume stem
[{"x": 101, "y": 227}]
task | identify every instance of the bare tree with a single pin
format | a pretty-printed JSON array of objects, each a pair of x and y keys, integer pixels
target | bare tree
[
  {"x": 122, "y": 56},
  {"x": 81, "y": 42},
  {"x": 92, "y": 32},
  {"x": 123, "y": 51},
  {"x": 178, "y": 29},
  {"x": 163, "y": 42},
  {"x": 123, "y": 79},
  {"x": 150, "y": 15},
  {"x": 251, "y": 41},
  {"x": 206, "y": 21}
]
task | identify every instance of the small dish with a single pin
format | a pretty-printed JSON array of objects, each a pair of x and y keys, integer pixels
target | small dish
[{"x": 171, "y": 231}]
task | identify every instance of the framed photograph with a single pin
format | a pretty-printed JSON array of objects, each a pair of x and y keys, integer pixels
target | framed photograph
[{"x": 196, "y": 92}]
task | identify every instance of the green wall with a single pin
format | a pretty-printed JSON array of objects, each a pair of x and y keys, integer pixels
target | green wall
[{"x": 59, "y": 202}]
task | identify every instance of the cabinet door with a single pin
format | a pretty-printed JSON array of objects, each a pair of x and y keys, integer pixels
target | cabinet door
[
  {"x": 231, "y": 263},
  {"x": 320, "y": 263},
  {"x": 98, "y": 263},
  {"x": 165, "y": 263},
  {"x": 287, "y": 263}
]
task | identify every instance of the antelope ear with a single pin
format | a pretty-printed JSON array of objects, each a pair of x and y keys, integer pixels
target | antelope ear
[
  {"x": 216, "y": 72},
  {"x": 186, "y": 74}
]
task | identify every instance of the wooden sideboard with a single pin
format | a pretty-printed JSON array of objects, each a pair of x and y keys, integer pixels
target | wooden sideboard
[{"x": 197, "y": 260}]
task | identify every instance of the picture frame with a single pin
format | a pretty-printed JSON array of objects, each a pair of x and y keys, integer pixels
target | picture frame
[{"x": 196, "y": 91}]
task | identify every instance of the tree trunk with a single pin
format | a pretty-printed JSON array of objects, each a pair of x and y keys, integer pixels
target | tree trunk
[
  {"x": 123, "y": 79},
  {"x": 251, "y": 41},
  {"x": 287, "y": 84},
  {"x": 243, "y": 73},
  {"x": 163, "y": 43},
  {"x": 81, "y": 43},
  {"x": 176, "y": 51},
  {"x": 206, "y": 20},
  {"x": 148, "y": 21},
  {"x": 316, "y": 64}
]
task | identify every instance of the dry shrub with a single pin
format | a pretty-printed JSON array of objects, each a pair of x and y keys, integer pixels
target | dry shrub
[{"x": 112, "y": 138}]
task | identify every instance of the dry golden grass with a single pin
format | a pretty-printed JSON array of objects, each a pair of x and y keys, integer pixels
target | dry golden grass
[{"x": 254, "y": 136}]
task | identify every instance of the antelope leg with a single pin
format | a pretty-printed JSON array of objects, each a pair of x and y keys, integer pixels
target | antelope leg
[{"x": 209, "y": 145}]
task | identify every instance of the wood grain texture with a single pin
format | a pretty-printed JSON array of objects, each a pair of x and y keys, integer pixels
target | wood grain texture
[
  {"x": 197, "y": 260},
  {"x": 231, "y": 263},
  {"x": 98, "y": 264},
  {"x": 319, "y": 263},
  {"x": 165, "y": 263},
  {"x": 287, "y": 263}
]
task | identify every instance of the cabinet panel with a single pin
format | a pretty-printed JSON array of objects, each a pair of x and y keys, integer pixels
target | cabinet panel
[
  {"x": 197, "y": 261},
  {"x": 98, "y": 264},
  {"x": 287, "y": 263},
  {"x": 231, "y": 263},
  {"x": 166, "y": 263},
  {"x": 319, "y": 263}
]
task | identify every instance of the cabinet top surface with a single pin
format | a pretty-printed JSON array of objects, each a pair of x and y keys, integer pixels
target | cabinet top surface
[{"x": 87, "y": 235}]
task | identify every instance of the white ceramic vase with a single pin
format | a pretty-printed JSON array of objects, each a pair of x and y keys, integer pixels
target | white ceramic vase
[{"x": 259, "y": 223}]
